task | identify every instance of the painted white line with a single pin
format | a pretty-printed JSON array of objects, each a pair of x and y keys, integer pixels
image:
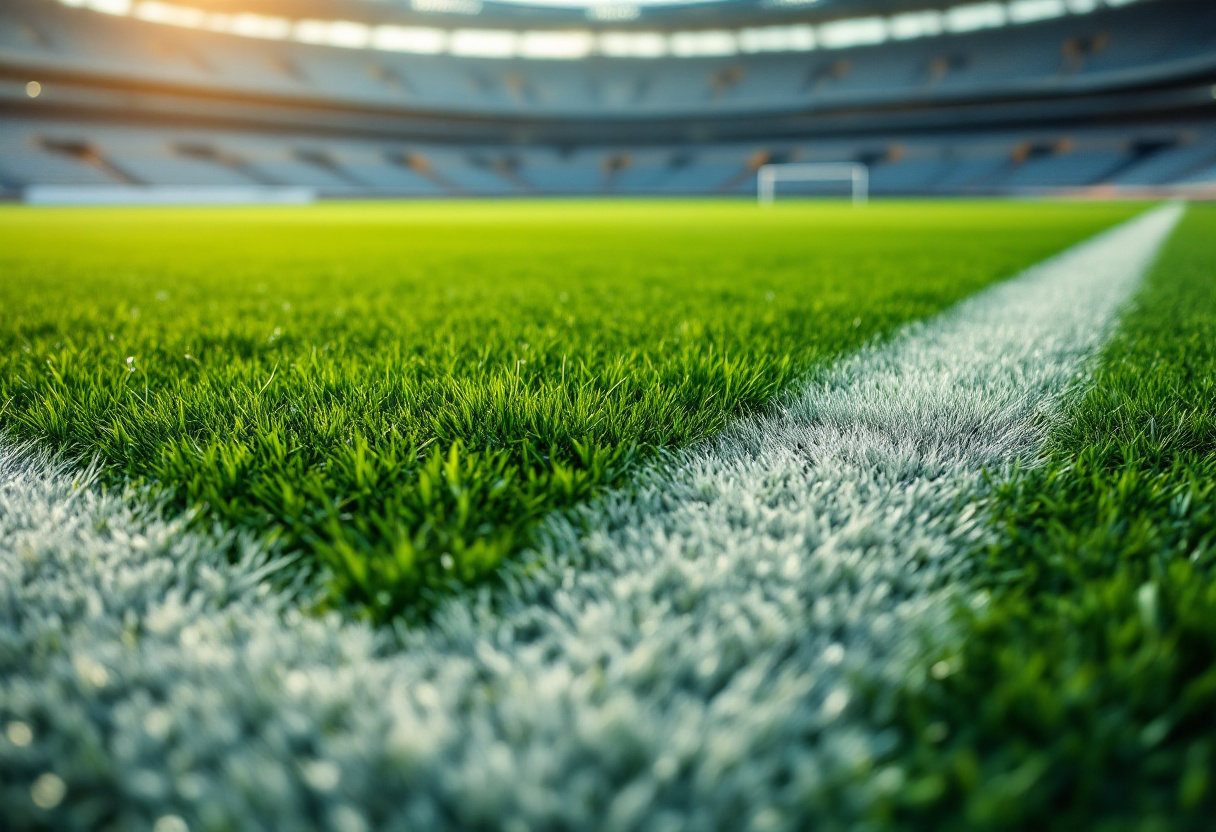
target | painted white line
[{"x": 682, "y": 660}]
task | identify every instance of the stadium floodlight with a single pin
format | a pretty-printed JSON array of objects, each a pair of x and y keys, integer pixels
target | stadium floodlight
[
  {"x": 975, "y": 16},
  {"x": 703, "y": 44},
  {"x": 855, "y": 173},
  {"x": 859, "y": 31}
]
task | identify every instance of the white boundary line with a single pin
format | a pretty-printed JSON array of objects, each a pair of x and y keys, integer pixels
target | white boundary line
[{"x": 683, "y": 659}]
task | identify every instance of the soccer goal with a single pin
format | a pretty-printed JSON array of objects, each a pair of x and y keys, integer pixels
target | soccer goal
[{"x": 857, "y": 174}]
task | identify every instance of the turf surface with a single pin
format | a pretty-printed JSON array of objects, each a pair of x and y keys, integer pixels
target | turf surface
[
  {"x": 1084, "y": 696},
  {"x": 402, "y": 391}
]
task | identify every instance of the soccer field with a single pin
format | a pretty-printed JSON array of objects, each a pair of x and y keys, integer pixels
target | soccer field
[
  {"x": 580, "y": 515},
  {"x": 401, "y": 392}
]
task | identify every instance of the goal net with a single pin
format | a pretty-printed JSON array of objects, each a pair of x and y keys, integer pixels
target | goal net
[{"x": 856, "y": 174}]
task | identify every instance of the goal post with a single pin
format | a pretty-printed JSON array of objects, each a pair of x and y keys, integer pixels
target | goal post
[{"x": 855, "y": 173}]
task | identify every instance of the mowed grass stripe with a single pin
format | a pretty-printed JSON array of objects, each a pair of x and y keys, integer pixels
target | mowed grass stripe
[
  {"x": 1085, "y": 695},
  {"x": 402, "y": 392},
  {"x": 684, "y": 655}
]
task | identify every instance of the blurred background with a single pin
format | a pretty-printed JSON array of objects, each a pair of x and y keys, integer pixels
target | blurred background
[{"x": 297, "y": 99}]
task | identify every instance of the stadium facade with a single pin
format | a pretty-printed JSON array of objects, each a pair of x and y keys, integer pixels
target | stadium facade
[{"x": 352, "y": 98}]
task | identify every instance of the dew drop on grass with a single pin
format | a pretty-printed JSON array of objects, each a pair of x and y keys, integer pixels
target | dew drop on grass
[
  {"x": 91, "y": 672},
  {"x": 347, "y": 819},
  {"x": 322, "y": 775},
  {"x": 48, "y": 791},
  {"x": 158, "y": 723},
  {"x": 296, "y": 682},
  {"x": 19, "y": 733},
  {"x": 835, "y": 703},
  {"x": 889, "y": 780},
  {"x": 170, "y": 823}
]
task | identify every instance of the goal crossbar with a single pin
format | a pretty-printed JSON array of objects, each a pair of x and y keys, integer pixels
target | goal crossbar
[{"x": 855, "y": 173}]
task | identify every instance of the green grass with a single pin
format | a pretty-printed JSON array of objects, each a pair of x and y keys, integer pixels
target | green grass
[
  {"x": 1086, "y": 694},
  {"x": 402, "y": 391}
]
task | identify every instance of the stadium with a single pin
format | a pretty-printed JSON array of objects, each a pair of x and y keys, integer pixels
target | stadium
[
  {"x": 468, "y": 98},
  {"x": 602, "y": 415}
]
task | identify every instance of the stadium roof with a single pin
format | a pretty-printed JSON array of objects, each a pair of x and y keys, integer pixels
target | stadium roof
[
  {"x": 665, "y": 15},
  {"x": 524, "y": 29}
]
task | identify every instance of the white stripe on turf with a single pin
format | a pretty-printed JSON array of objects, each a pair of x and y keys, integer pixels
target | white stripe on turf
[{"x": 684, "y": 658}]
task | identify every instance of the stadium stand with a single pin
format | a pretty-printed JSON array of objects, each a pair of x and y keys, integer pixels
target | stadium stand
[{"x": 1121, "y": 95}]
